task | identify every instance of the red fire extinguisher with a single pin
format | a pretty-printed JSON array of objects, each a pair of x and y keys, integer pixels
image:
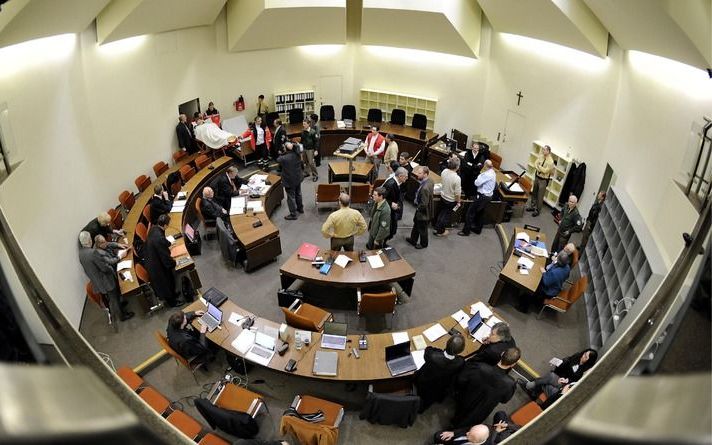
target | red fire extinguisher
[{"x": 240, "y": 104}]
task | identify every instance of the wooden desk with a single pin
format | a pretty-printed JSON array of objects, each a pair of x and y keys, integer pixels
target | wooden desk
[
  {"x": 132, "y": 218},
  {"x": 407, "y": 137},
  {"x": 510, "y": 276},
  {"x": 355, "y": 275},
  {"x": 339, "y": 171},
  {"x": 370, "y": 367}
]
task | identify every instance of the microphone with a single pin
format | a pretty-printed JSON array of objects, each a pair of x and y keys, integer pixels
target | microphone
[{"x": 454, "y": 331}]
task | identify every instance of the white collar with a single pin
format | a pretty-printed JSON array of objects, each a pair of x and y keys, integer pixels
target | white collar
[{"x": 448, "y": 356}]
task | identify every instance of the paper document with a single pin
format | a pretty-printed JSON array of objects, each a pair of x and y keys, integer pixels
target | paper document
[
  {"x": 516, "y": 188},
  {"x": 461, "y": 317},
  {"x": 482, "y": 308},
  {"x": 181, "y": 196},
  {"x": 375, "y": 261},
  {"x": 126, "y": 275},
  {"x": 236, "y": 210},
  {"x": 418, "y": 358},
  {"x": 265, "y": 340},
  {"x": 526, "y": 262},
  {"x": 522, "y": 236},
  {"x": 171, "y": 239},
  {"x": 538, "y": 251},
  {"x": 177, "y": 209},
  {"x": 125, "y": 264},
  {"x": 493, "y": 320},
  {"x": 482, "y": 333},
  {"x": 555, "y": 362},
  {"x": 342, "y": 260},
  {"x": 419, "y": 342},
  {"x": 434, "y": 332},
  {"x": 509, "y": 178},
  {"x": 340, "y": 124},
  {"x": 236, "y": 318},
  {"x": 264, "y": 189},
  {"x": 237, "y": 201},
  {"x": 400, "y": 337},
  {"x": 255, "y": 206},
  {"x": 524, "y": 271},
  {"x": 244, "y": 341},
  {"x": 304, "y": 336}
]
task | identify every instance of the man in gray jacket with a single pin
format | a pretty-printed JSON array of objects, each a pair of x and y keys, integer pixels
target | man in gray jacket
[
  {"x": 379, "y": 228},
  {"x": 423, "y": 208}
]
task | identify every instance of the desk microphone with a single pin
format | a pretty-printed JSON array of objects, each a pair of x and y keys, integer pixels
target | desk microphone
[{"x": 454, "y": 331}]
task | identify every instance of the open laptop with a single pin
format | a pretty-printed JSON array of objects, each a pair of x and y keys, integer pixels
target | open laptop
[
  {"x": 334, "y": 336},
  {"x": 211, "y": 318},
  {"x": 189, "y": 232},
  {"x": 399, "y": 360},
  {"x": 474, "y": 323}
]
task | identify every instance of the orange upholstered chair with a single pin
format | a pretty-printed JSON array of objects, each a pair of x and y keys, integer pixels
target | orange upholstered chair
[
  {"x": 201, "y": 162},
  {"x": 567, "y": 297},
  {"x": 305, "y": 316},
  {"x": 155, "y": 400},
  {"x": 132, "y": 379},
  {"x": 213, "y": 439},
  {"x": 127, "y": 199},
  {"x": 376, "y": 303},
  {"x": 186, "y": 424},
  {"x": 326, "y": 193},
  {"x": 186, "y": 172},
  {"x": 237, "y": 398},
  {"x": 496, "y": 160},
  {"x": 526, "y": 413},
  {"x": 98, "y": 299},
  {"x": 116, "y": 219},
  {"x": 177, "y": 156},
  {"x": 141, "y": 231},
  {"x": 142, "y": 183},
  {"x": 159, "y": 168}
]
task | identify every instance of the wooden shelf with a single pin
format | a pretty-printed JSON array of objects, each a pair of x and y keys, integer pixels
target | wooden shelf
[
  {"x": 562, "y": 165},
  {"x": 289, "y": 100},
  {"x": 386, "y": 101}
]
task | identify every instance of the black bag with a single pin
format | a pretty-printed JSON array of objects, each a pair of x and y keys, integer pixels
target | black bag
[
  {"x": 240, "y": 365},
  {"x": 187, "y": 289}
]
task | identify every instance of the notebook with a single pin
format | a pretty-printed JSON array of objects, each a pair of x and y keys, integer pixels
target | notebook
[
  {"x": 307, "y": 251},
  {"x": 326, "y": 363}
]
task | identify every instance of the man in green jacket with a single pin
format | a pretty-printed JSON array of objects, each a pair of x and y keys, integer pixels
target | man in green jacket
[
  {"x": 379, "y": 228},
  {"x": 570, "y": 222}
]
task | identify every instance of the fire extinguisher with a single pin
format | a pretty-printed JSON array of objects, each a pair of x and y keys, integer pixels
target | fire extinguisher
[{"x": 240, "y": 104}]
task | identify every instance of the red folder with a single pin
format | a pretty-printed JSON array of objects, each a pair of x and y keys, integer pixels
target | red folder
[{"x": 308, "y": 251}]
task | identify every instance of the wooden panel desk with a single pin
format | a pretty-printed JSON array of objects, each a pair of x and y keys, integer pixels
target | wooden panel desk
[
  {"x": 510, "y": 276},
  {"x": 339, "y": 171},
  {"x": 370, "y": 367},
  {"x": 355, "y": 275},
  {"x": 407, "y": 137},
  {"x": 132, "y": 218}
]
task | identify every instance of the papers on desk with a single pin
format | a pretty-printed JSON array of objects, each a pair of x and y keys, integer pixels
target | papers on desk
[
  {"x": 400, "y": 337},
  {"x": 414, "y": 164},
  {"x": 340, "y": 124},
  {"x": 493, "y": 320},
  {"x": 265, "y": 340},
  {"x": 538, "y": 251},
  {"x": 516, "y": 188},
  {"x": 419, "y": 342},
  {"x": 259, "y": 354},
  {"x": 482, "y": 308},
  {"x": 178, "y": 207},
  {"x": 255, "y": 206},
  {"x": 462, "y": 153},
  {"x": 461, "y": 317},
  {"x": 526, "y": 262},
  {"x": 342, "y": 260},
  {"x": 482, "y": 333},
  {"x": 237, "y": 210},
  {"x": 522, "y": 236},
  {"x": 304, "y": 336},
  {"x": 434, "y": 332},
  {"x": 181, "y": 196},
  {"x": 375, "y": 261},
  {"x": 244, "y": 341},
  {"x": 237, "y": 205},
  {"x": 236, "y": 318},
  {"x": 171, "y": 239},
  {"x": 125, "y": 264},
  {"x": 418, "y": 358}
]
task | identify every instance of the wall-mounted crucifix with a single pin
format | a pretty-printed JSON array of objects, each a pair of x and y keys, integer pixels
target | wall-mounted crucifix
[{"x": 519, "y": 98}]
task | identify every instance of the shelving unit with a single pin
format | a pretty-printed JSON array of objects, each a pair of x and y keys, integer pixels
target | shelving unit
[
  {"x": 386, "y": 101},
  {"x": 562, "y": 165},
  {"x": 624, "y": 267},
  {"x": 288, "y": 100}
]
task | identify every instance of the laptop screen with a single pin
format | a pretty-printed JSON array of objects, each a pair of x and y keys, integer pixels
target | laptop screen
[
  {"x": 189, "y": 232},
  {"x": 215, "y": 312},
  {"x": 397, "y": 351},
  {"x": 335, "y": 328},
  {"x": 474, "y": 323}
]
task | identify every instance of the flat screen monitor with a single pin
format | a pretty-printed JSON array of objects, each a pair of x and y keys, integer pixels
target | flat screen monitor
[
  {"x": 189, "y": 108},
  {"x": 189, "y": 232},
  {"x": 461, "y": 139}
]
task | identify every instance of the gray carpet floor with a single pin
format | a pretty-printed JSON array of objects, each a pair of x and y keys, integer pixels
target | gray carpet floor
[{"x": 450, "y": 273}]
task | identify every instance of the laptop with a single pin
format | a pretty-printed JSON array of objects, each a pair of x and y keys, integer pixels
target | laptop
[
  {"x": 211, "y": 318},
  {"x": 399, "y": 360},
  {"x": 189, "y": 232},
  {"x": 334, "y": 336},
  {"x": 474, "y": 323},
  {"x": 214, "y": 297}
]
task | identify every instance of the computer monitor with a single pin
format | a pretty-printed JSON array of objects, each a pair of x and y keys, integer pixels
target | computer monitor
[
  {"x": 460, "y": 137},
  {"x": 397, "y": 351}
]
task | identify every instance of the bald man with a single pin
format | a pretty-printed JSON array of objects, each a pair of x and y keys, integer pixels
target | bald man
[
  {"x": 571, "y": 222},
  {"x": 501, "y": 429},
  {"x": 210, "y": 208},
  {"x": 343, "y": 225},
  {"x": 485, "y": 184}
]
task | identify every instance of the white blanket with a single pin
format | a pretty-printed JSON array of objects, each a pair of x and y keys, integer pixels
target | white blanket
[{"x": 211, "y": 135}]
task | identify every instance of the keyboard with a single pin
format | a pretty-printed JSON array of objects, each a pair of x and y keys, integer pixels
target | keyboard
[
  {"x": 401, "y": 365},
  {"x": 208, "y": 321},
  {"x": 333, "y": 342},
  {"x": 261, "y": 352}
]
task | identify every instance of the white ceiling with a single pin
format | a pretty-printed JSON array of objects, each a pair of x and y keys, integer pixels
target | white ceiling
[{"x": 676, "y": 29}]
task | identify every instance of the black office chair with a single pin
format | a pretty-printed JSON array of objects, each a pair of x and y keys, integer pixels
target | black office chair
[
  {"x": 228, "y": 244},
  {"x": 375, "y": 115},
  {"x": 296, "y": 115},
  {"x": 271, "y": 117},
  {"x": 398, "y": 116},
  {"x": 348, "y": 112},
  {"x": 326, "y": 113},
  {"x": 420, "y": 121}
]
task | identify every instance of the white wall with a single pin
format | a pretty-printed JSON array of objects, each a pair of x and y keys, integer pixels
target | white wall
[{"x": 89, "y": 123}]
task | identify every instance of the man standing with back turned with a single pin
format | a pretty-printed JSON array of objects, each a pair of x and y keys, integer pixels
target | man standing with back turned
[
  {"x": 485, "y": 184},
  {"x": 291, "y": 167},
  {"x": 342, "y": 225}
]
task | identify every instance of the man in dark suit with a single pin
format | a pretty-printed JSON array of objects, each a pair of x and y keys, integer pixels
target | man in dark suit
[
  {"x": 279, "y": 139},
  {"x": 394, "y": 197},
  {"x": 499, "y": 340},
  {"x": 290, "y": 165},
  {"x": 159, "y": 263},
  {"x": 189, "y": 343},
  {"x": 502, "y": 427},
  {"x": 473, "y": 162},
  {"x": 423, "y": 208},
  {"x": 434, "y": 379},
  {"x": 226, "y": 186},
  {"x": 186, "y": 137},
  {"x": 210, "y": 209},
  {"x": 480, "y": 387},
  {"x": 160, "y": 204}
]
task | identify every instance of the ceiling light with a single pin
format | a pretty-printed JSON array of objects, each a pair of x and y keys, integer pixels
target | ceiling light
[
  {"x": 419, "y": 56},
  {"x": 558, "y": 53},
  {"x": 122, "y": 46},
  {"x": 32, "y": 53},
  {"x": 686, "y": 79}
]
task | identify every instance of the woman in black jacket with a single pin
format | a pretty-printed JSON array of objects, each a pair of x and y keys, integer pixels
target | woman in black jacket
[{"x": 570, "y": 370}]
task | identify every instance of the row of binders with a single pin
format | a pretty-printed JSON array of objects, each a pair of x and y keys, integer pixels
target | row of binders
[{"x": 298, "y": 97}]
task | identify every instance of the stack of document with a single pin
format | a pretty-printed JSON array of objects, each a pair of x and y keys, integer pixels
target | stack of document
[
  {"x": 237, "y": 205},
  {"x": 461, "y": 317},
  {"x": 526, "y": 264},
  {"x": 375, "y": 261},
  {"x": 400, "y": 337},
  {"x": 178, "y": 206},
  {"x": 342, "y": 260},
  {"x": 482, "y": 308},
  {"x": 255, "y": 206},
  {"x": 418, "y": 358},
  {"x": 126, "y": 264},
  {"x": 434, "y": 332}
]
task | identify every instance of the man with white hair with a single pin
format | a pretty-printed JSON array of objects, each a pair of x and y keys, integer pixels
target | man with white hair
[
  {"x": 186, "y": 137},
  {"x": 101, "y": 225},
  {"x": 485, "y": 184},
  {"x": 571, "y": 221},
  {"x": 210, "y": 209},
  {"x": 501, "y": 429}
]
